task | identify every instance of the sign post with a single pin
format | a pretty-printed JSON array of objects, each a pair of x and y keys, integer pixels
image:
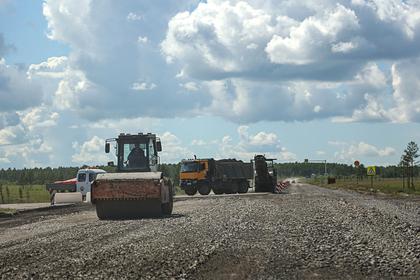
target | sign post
[
  {"x": 357, "y": 164},
  {"x": 371, "y": 171}
]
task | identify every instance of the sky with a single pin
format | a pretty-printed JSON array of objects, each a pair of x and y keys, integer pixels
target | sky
[{"x": 321, "y": 80}]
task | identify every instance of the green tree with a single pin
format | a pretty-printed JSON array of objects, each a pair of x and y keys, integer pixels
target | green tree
[{"x": 411, "y": 153}]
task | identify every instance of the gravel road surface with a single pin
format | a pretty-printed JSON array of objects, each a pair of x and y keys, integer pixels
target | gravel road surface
[{"x": 306, "y": 233}]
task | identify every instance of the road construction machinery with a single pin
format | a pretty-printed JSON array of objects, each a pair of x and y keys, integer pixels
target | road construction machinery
[
  {"x": 137, "y": 189},
  {"x": 222, "y": 176},
  {"x": 265, "y": 175}
]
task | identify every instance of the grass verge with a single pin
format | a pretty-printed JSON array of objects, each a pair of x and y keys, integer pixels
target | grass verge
[
  {"x": 392, "y": 186},
  {"x": 7, "y": 211},
  {"x": 23, "y": 194}
]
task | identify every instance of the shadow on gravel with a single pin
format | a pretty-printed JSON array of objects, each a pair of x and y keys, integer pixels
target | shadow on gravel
[{"x": 173, "y": 216}]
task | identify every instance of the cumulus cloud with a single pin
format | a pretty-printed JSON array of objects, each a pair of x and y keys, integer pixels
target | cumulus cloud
[
  {"x": 406, "y": 85},
  {"x": 237, "y": 39},
  {"x": 243, "y": 58},
  {"x": 90, "y": 152},
  {"x": 173, "y": 150},
  {"x": 107, "y": 62},
  {"x": 310, "y": 40},
  {"x": 17, "y": 92},
  {"x": 249, "y": 145},
  {"x": 133, "y": 16},
  {"x": 250, "y": 55},
  {"x": 143, "y": 86},
  {"x": 353, "y": 151}
]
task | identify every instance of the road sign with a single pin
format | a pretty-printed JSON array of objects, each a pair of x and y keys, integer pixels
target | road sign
[
  {"x": 356, "y": 163},
  {"x": 371, "y": 170}
]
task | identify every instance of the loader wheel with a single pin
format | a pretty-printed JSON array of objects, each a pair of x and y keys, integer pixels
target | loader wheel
[
  {"x": 204, "y": 189},
  {"x": 191, "y": 190}
]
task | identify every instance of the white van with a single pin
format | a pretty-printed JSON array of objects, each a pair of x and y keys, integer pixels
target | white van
[{"x": 85, "y": 178}]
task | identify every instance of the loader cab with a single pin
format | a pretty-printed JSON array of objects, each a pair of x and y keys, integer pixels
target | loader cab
[{"x": 136, "y": 153}]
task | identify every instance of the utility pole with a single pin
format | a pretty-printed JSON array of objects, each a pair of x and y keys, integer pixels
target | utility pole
[{"x": 324, "y": 161}]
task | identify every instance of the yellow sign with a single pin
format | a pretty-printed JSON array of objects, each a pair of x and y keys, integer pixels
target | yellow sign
[{"x": 371, "y": 170}]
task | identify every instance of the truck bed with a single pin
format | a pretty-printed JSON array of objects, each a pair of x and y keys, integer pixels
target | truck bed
[{"x": 61, "y": 186}]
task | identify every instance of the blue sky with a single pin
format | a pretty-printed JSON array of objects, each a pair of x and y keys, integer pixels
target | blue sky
[{"x": 335, "y": 80}]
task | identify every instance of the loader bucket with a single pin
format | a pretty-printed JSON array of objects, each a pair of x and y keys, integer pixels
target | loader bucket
[{"x": 131, "y": 195}]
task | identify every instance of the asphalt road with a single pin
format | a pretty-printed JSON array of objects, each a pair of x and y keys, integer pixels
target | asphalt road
[{"x": 306, "y": 233}]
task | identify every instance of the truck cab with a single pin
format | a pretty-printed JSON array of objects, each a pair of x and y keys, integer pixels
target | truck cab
[
  {"x": 85, "y": 178},
  {"x": 193, "y": 173}
]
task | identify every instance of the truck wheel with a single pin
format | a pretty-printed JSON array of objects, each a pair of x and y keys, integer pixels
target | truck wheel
[
  {"x": 191, "y": 190},
  {"x": 232, "y": 188},
  {"x": 243, "y": 188},
  {"x": 204, "y": 189},
  {"x": 217, "y": 191}
]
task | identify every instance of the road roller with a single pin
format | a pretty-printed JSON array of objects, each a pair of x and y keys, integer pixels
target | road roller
[{"x": 137, "y": 189}]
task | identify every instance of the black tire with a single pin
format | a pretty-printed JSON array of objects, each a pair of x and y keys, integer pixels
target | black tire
[
  {"x": 190, "y": 190},
  {"x": 204, "y": 189},
  {"x": 243, "y": 187},
  {"x": 231, "y": 188},
  {"x": 218, "y": 191}
]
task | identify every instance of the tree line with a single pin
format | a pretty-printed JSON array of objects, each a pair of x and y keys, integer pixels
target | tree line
[
  {"x": 39, "y": 176},
  {"x": 408, "y": 165}
]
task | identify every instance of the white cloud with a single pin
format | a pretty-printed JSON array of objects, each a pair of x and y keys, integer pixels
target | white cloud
[
  {"x": 142, "y": 40},
  {"x": 363, "y": 150},
  {"x": 249, "y": 145},
  {"x": 406, "y": 85},
  {"x": 90, "y": 152},
  {"x": 38, "y": 118},
  {"x": 310, "y": 40},
  {"x": 343, "y": 47},
  {"x": 198, "y": 142},
  {"x": 143, "y": 86},
  {"x": 134, "y": 17},
  {"x": 190, "y": 86},
  {"x": 54, "y": 67},
  {"x": 173, "y": 150}
]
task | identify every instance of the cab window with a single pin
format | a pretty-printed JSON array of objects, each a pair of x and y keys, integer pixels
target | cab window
[
  {"x": 81, "y": 177},
  {"x": 92, "y": 177}
]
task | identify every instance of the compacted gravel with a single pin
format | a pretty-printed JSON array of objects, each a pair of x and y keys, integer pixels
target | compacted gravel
[{"x": 305, "y": 233}]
